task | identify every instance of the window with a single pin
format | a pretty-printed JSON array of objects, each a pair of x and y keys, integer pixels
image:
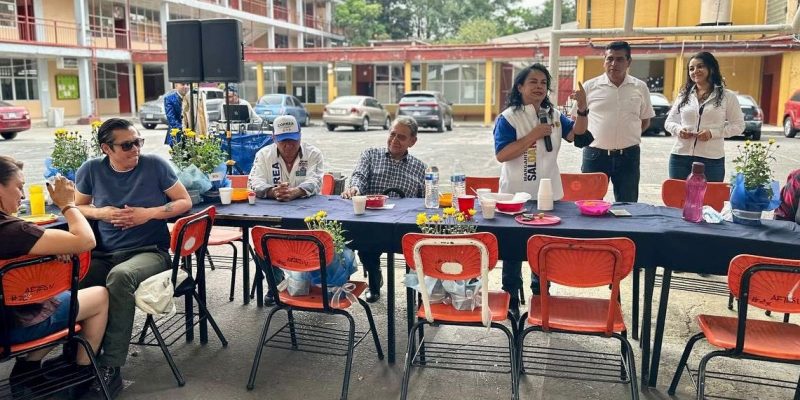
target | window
[
  {"x": 390, "y": 82},
  {"x": 309, "y": 85},
  {"x": 101, "y": 19},
  {"x": 274, "y": 79},
  {"x": 796, "y": 96},
  {"x": 145, "y": 25},
  {"x": 8, "y": 13},
  {"x": 18, "y": 79},
  {"x": 281, "y": 41},
  {"x": 459, "y": 83},
  {"x": 344, "y": 79},
  {"x": 106, "y": 81}
]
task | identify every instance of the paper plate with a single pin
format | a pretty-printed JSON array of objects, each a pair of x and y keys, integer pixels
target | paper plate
[
  {"x": 547, "y": 219},
  {"x": 41, "y": 219}
]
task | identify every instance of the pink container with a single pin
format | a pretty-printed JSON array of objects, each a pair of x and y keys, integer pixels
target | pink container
[{"x": 593, "y": 207}]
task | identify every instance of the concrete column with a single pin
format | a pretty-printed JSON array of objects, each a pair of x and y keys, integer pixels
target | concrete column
[
  {"x": 270, "y": 9},
  {"x": 138, "y": 77},
  {"x": 487, "y": 92},
  {"x": 680, "y": 76},
  {"x": 299, "y": 11},
  {"x": 82, "y": 21},
  {"x": 43, "y": 71},
  {"x": 331, "y": 82},
  {"x": 132, "y": 90},
  {"x": 271, "y": 37},
  {"x": 167, "y": 83},
  {"x": 164, "y": 19},
  {"x": 38, "y": 9},
  {"x": 85, "y": 85},
  {"x": 328, "y": 16},
  {"x": 260, "y": 79},
  {"x": 407, "y": 76},
  {"x": 300, "y": 40}
]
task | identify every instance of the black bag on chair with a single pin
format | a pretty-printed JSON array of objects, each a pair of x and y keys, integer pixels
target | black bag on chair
[{"x": 584, "y": 140}]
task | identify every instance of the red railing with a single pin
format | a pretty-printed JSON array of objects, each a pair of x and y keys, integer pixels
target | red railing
[
  {"x": 45, "y": 31},
  {"x": 257, "y": 7}
]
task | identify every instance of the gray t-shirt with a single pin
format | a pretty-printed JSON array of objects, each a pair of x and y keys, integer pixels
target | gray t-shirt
[{"x": 143, "y": 186}]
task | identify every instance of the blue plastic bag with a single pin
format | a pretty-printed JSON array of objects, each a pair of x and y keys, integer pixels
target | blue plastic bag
[
  {"x": 338, "y": 271},
  {"x": 50, "y": 171},
  {"x": 193, "y": 179},
  {"x": 220, "y": 172},
  {"x": 757, "y": 199}
]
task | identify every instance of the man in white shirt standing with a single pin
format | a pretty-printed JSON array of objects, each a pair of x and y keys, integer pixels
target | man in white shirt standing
[{"x": 619, "y": 110}]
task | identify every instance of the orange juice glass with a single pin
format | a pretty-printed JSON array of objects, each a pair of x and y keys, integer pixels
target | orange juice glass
[{"x": 445, "y": 199}]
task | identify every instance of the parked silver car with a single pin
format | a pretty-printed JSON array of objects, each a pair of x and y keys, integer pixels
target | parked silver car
[
  {"x": 429, "y": 108},
  {"x": 357, "y": 111},
  {"x": 152, "y": 112}
]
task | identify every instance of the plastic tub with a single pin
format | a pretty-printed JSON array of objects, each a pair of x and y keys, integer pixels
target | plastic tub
[{"x": 593, "y": 207}]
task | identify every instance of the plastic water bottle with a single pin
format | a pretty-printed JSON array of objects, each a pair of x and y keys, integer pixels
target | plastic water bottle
[
  {"x": 432, "y": 187},
  {"x": 695, "y": 191},
  {"x": 459, "y": 182}
]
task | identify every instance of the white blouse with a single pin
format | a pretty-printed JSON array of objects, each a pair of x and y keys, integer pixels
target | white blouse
[{"x": 722, "y": 121}]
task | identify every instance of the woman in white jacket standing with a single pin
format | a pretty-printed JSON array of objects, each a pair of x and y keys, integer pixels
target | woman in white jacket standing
[{"x": 704, "y": 114}]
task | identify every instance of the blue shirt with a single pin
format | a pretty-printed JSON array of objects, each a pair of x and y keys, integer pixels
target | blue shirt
[
  {"x": 173, "y": 109},
  {"x": 505, "y": 134},
  {"x": 143, "y": 186}
]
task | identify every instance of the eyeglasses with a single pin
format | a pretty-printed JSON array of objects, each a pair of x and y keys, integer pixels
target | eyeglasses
[{"x": 127, "y": 146}]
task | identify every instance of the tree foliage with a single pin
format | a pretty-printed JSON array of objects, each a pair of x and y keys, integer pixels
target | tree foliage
[
  {"x": 358, "y": 19},
  {"x": 449, "y": 21}
]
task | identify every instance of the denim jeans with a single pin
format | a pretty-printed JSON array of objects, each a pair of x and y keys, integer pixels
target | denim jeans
[
  {"x": 681, "y": 166},
  {"x": 621, "y": 167}
]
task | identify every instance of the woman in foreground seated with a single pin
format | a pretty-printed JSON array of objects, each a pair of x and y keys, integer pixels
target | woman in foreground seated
[
  {"x": 790, "y": 197},
  {"x": 24, "y": 238}
]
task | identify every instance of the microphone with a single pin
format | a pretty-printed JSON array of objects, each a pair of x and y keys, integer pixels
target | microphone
[{"x": 548, "y": 143}]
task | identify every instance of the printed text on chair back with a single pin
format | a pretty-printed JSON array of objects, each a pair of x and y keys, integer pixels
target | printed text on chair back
[
  {"x": 34, "y": 279},
  {"x": 287, "y": 248},
  {"x": 192, "y": 232},
  {"x": 776, "y": 291}
]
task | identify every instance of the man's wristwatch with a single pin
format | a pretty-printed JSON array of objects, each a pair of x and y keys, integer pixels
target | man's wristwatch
[{"x": 584, "y": 113}]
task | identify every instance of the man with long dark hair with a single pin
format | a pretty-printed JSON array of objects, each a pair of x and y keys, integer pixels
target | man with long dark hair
[{"x": 620, "y": 112}]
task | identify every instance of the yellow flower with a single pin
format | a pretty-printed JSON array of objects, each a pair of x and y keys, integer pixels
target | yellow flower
[
  {"x": 471, "y": 211},
  {"x": 318, "y": 218},
  {"x": 422, "y": 219},
  {"x": 230, "y": 163},
  {"x": 96, "y": 124},
  {"x": 460, "y": 217},
  {"x": 190, "y": 133},
  {"x": 771, "y": 141},
  {"x": 435, "y": 218},
  {"x": 60, "y": 132},
  {"x": 321, "y": 214},
  {"x": 173, "y": 132},
  {"x": 449, "y": 211},
  {"x": 307, "y": 219}
]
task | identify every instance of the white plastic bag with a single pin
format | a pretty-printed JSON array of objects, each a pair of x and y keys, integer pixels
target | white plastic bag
[{"x": 154, "y": 295}]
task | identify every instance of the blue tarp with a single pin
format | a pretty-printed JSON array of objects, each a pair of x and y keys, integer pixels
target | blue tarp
[{"x": 245, "y": 146}]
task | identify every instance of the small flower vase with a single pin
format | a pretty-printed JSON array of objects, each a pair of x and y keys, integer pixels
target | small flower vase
[
  {"x": 338, "y": 272},
  {"x": 50, "y": 171},
  {"x": 747, "y": 204}
]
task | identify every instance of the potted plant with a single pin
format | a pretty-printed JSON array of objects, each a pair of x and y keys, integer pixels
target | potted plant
[
  {"x": 199, "y": 161},
  {"x": 70, "y": 151},
  {"x": 752, "y": 188}
]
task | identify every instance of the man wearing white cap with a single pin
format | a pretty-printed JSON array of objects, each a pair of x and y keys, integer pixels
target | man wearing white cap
[{"x": 287, "y": 169}]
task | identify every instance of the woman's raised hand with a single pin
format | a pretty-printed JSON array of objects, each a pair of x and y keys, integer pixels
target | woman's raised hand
[{"x": 62, "y": 191}]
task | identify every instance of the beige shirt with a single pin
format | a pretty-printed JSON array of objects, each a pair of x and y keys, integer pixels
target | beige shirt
[{"x": 616, "y": 112}]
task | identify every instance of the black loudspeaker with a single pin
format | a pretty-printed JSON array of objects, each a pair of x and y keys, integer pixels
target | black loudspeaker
[
  {"x": 184, "y": 51},
  {"x": 222, "y": 50}
]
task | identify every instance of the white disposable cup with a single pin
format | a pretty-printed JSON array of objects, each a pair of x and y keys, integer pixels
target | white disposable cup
[
  {"x": 225, "y": 195},
  {"x": 482, "y": 192},
  {"x": 359, "y": 204},
  {"x": 487, "y": 208},
  {"x": 544, "y": 200}
]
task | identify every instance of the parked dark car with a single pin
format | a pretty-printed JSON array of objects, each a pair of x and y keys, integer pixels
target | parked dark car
[
  {"x": 661, "y": 107},
  {"x": 753, "y": 117},
  {"x": 13, "y": 119},
  {"x": 360, "y": 112},
  {"x": 271, "y": 106},
  {"x": 428, "y": 108},
  {"x": 791, "y": 115}
]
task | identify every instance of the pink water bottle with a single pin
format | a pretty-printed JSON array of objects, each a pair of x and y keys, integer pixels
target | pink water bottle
[{"x": 695, "y": 191}]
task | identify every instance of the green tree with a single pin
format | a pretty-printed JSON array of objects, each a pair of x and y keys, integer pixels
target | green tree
[
  {"x": 477, "y": 30},
  {"x": 358, "y": 17},
  {"x": 526, "y": 19}
]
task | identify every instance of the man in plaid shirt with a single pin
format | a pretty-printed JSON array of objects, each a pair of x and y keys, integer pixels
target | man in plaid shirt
[{"x": 387, "y": 169}]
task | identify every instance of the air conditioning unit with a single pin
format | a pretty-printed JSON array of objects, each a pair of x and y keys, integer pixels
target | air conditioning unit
[{"x": 67, "y": 63}]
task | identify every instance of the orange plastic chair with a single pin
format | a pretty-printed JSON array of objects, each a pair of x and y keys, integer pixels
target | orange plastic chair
[
  {"x": 477, "y": 182},
  {"x": 457, "y": 257},
  {"x": 307, "y": 251},
  {"x": 328, "y": 184},
  {"x": 189, "y": 237},
  {"x": 579, "y": 263},
  {"x": 673, "y": 193},
  {"x": 763, "y": 282},
  {"x": 584, "y": 186},
  {"x": 34, "y": 279},
  {"x": 238, "y": 181}
]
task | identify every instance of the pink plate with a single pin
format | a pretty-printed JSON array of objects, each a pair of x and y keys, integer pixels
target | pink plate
[{"x": 547, "y": 219}]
